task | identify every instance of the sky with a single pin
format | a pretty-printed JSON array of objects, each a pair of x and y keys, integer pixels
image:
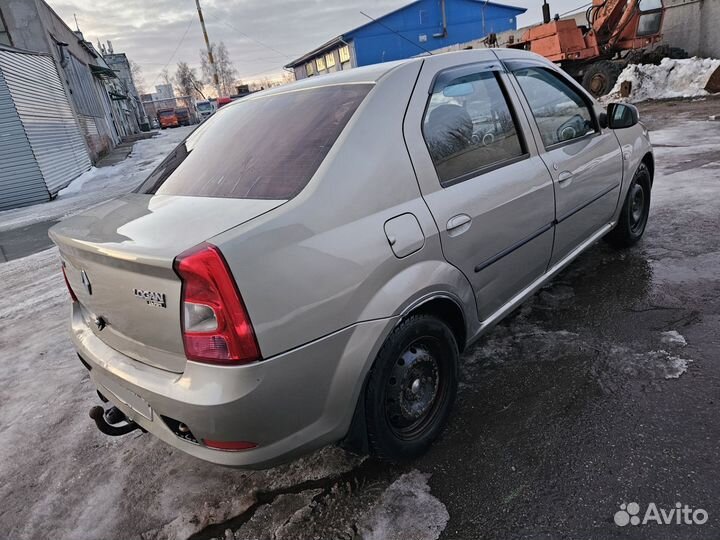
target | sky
[{"x": 261, "y": 35}]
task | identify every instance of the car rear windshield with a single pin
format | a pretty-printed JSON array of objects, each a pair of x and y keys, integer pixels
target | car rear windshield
[{"x": 265, "y": 147}]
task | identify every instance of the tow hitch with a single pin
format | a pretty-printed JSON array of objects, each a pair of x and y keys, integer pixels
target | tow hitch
[{"x": 106, "y": 421}]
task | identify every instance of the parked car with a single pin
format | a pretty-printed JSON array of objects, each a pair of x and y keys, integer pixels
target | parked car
[
  {"x": 168, "y": 118},
  {"x": 309, "y": 264}
]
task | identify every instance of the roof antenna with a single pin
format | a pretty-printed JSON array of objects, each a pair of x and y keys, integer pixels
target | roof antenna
[
  {"x": 396, "y": 32},
  {"x": 77, "y": 26}
]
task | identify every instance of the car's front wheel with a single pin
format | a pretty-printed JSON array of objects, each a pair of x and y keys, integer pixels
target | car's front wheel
[
  {"x": 635, "y": 211},
  {"x": 411, "y": 388}
]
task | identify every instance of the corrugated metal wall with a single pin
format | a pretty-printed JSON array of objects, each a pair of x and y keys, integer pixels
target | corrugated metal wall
[
  {"x": 21, "y": 182},
  {"x": 45, "y": 112}
]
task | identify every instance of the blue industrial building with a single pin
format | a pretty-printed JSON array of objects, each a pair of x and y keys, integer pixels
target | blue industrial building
[{"x": 423, "y": 25}]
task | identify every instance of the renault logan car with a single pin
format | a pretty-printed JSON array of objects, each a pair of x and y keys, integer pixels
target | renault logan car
[{"x": 308, "y": 265}]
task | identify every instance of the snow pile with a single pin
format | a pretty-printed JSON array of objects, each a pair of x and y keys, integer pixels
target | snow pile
[
  {"x": 406, "y": 510},
  {"x": 671, "y": 79}
]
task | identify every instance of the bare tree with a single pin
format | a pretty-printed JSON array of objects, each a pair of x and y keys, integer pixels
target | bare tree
[
  {"x": 187, "y": 83},
  {"x": 225, "y": 69},
  {"x": 137, "y": 77},
  {"x": 165, "y": 77}
]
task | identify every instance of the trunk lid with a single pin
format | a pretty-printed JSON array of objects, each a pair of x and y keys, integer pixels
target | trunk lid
[{"x": 119, "y": 257}]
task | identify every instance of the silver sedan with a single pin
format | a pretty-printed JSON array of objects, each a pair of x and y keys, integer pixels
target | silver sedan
[{"x": 308, "y": 265}]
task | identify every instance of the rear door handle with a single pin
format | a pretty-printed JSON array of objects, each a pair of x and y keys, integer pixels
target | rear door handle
[
  {"x": 565, "y": 178},
  {"x": 458, "y": 224}
]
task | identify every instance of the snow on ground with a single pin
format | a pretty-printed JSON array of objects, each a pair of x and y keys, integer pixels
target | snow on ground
[
  {"x": 406, "y": 510},
  {"x": 673, "y": 337},
  {"x": 671, "y": 79},
  {"x": 98, "y": 185}
]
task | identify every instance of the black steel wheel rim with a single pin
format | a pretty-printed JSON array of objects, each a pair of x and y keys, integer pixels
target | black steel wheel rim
[
  {"x": 415, "y": 389},
  {"x": 638, "y": 208}
]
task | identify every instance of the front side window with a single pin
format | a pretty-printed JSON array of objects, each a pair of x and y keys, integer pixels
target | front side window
[
  {"x": 468, "y": 126},
  {"x": 267, "y": 147},
  {"x": 649, "y": 24},
  {"x": 560, "y": 112}
]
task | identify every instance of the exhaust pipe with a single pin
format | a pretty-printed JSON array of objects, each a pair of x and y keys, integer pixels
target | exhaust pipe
[
  {"x": 546, "y": 12},
  {"x": 105, "y": 420}
]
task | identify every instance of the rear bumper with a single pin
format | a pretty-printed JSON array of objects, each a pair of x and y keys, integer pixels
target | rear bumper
[{"x": 288, "y": 405}]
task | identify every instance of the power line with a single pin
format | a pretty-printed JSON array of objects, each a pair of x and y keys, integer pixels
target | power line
[
  {"x": 173, "y": 54},
  {"x": 229, "y": 25},
  {"x": 576, "y": 9}
]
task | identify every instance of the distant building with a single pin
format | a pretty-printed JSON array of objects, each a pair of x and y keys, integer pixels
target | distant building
[
  {"x": 423, "y": 25},
  {"x": 120, "y": 64},
  {"x": 164, "y": 91}
]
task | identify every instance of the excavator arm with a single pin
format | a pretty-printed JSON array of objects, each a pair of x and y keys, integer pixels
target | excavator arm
[{"x": 625, "y": 24}]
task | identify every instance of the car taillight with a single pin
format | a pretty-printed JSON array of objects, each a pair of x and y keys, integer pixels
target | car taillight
[
  {"x": 215, "y": 324},
  {"x": 67, "y": 283}
]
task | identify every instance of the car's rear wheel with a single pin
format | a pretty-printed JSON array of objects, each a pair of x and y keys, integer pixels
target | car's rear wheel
[
  {"x": 411, "y": 388},
  {"x": 635, "y": 211}
]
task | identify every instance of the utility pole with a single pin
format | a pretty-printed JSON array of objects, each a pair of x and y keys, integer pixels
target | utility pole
[{"x": 216, "y": 80}]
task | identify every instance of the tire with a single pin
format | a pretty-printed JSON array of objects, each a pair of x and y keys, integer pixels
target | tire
[
  {"x": 635, "y": 211},
  {"x": 600, "y": 77},
  {"x": 411, "y": 388}
]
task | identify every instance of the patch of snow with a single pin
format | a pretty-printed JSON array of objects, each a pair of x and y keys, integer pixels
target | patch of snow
[
  {"x": 99, "y": 184},
  {"x": 673, "y": 78},
  {"x": 675, "y": 367},
  {"x": 406, "y": 510},
  {"x": 649, "y": 365},
  {"x": 673, "y": 337}
]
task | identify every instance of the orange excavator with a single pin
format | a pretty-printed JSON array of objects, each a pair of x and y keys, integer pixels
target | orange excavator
[{"x": 618, "y": 32}]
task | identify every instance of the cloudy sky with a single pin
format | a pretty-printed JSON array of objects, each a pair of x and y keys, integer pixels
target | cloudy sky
[{"x": 261, "y": 35}]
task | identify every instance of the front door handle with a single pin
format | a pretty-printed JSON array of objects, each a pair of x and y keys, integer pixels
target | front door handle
[
  {"x": 458, "y": 224},
  {"x": 565, "y": 178}
]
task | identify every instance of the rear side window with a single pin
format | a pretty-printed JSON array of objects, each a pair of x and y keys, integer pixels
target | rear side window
[
  {"x": 560, "y": 111},
  {"x": 266, "y": 147},
  {"x": 468, "y": 127}
]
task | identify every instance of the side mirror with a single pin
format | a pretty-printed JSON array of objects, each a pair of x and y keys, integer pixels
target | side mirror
[{"x": 622, "y": 115}]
